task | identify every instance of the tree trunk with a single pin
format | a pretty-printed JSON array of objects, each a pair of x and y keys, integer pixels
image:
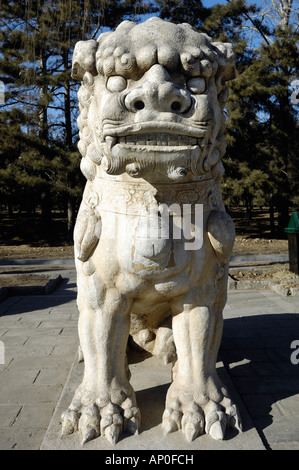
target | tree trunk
[
  {"x": 285, "y": 12},
  {"x": 272, "y": 220},
  {"x": 46, "y": 203},
  {"x": 68, "y": 145},
  {"x": 67, "y": 103},
  {"x": 46, "y": 207},
  {"x": 283, "y": 215},
  {"x": 10, "y": 210},
  {"x": 43, "y": 100}
]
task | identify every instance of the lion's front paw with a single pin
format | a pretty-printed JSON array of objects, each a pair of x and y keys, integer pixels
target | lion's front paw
[
  {"x": 94, "y": 418},
  {"x": 194, "y": 413}
]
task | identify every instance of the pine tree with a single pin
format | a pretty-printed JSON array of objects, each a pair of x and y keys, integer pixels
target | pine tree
[
  {"x": 262, "y": 130},
  {"x": 37, "y": 39},
  {"x": 180, "y": 11}
]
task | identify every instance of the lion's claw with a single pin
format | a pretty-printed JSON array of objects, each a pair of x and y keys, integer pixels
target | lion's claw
[
  {"x": 234, "y": 419},
  {"x": 171, "y": 420},
  {"x": 132, "y": 420},
  {"x": 111, "y": 423},
  {"x": 216, "y": 422},
  {"x": 89, "y": 423},
  {"x": 70, "y": 420},
  {"x": 192, "y": 424}
]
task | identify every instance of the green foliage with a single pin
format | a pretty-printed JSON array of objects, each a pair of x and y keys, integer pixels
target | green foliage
[
  {"x": 262, "y": 128},
  {"x": 179, "y": 11},
  {"x": 38, "y": 130}
]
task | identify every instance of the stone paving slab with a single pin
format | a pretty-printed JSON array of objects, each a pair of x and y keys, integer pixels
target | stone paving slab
[{"x": 150, "y": 380}]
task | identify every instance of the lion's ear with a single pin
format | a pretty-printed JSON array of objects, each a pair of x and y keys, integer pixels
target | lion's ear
[
  {"x": 84, "y": 58},
  {"x": 226, "y": 59}
]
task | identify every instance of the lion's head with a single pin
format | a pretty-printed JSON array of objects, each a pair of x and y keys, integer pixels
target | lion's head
[{"x": 151, "y": 100}]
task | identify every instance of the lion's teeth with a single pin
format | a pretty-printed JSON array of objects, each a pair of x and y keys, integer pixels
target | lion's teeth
[
  {"x": 130, "y": 140},
  {"x": 158, "y": 140},
  {"x": 110, "y": 141}
]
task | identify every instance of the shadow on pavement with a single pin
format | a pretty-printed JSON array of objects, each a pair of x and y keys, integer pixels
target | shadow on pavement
[
  {"x": 256, "y": 351},
  {"x": 65, "y": 292}
]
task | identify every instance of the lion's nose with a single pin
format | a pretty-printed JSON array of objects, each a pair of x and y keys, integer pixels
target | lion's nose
[{"x": 158, "y": 93}]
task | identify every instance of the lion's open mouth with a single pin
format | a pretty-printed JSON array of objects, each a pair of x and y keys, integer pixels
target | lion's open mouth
[
  {"x": 159, "y": 136},
  {"x": 168, "y": 147},
  {"x": 151, "y": 142}
]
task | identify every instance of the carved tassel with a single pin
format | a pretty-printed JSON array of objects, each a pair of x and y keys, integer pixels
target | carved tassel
[{"x": 87, "y": 232}]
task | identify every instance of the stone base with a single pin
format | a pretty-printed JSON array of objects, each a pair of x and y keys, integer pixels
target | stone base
[{"x": 150, "y": 380}]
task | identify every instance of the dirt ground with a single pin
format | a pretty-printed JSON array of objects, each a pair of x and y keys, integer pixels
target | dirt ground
[
  {"x": 278, "y": 273},
  {"x": 242, "y": 246},
  {"x": 28, "y": 251},
  {"x": 259, "y": 246},
  {"x": 26, "y": 279}
]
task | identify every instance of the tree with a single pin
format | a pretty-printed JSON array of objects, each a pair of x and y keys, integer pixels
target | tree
[
  {"x": 179, "y": 11},
  {"x": 220, "y": 22},
  {"x": 263, "y": 123},
  {"x": 37, "y": 38}
]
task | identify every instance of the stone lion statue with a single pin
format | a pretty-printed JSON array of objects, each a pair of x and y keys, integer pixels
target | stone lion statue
[{"x": 151, "y": 119}]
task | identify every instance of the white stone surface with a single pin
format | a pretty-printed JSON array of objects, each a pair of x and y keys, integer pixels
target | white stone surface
[{"x": 152, "y": 239}]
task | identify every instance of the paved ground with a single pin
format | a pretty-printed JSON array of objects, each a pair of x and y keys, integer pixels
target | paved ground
[
  {"x": 259, "y": 328},
  {"x": 39, "y": 334},
  {"x": 40, "y": 338}
]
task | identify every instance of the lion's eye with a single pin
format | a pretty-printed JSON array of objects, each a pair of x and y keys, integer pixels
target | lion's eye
[
  {"x": 116, "y": 83},
  {"x": 196, "y": 85}
]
